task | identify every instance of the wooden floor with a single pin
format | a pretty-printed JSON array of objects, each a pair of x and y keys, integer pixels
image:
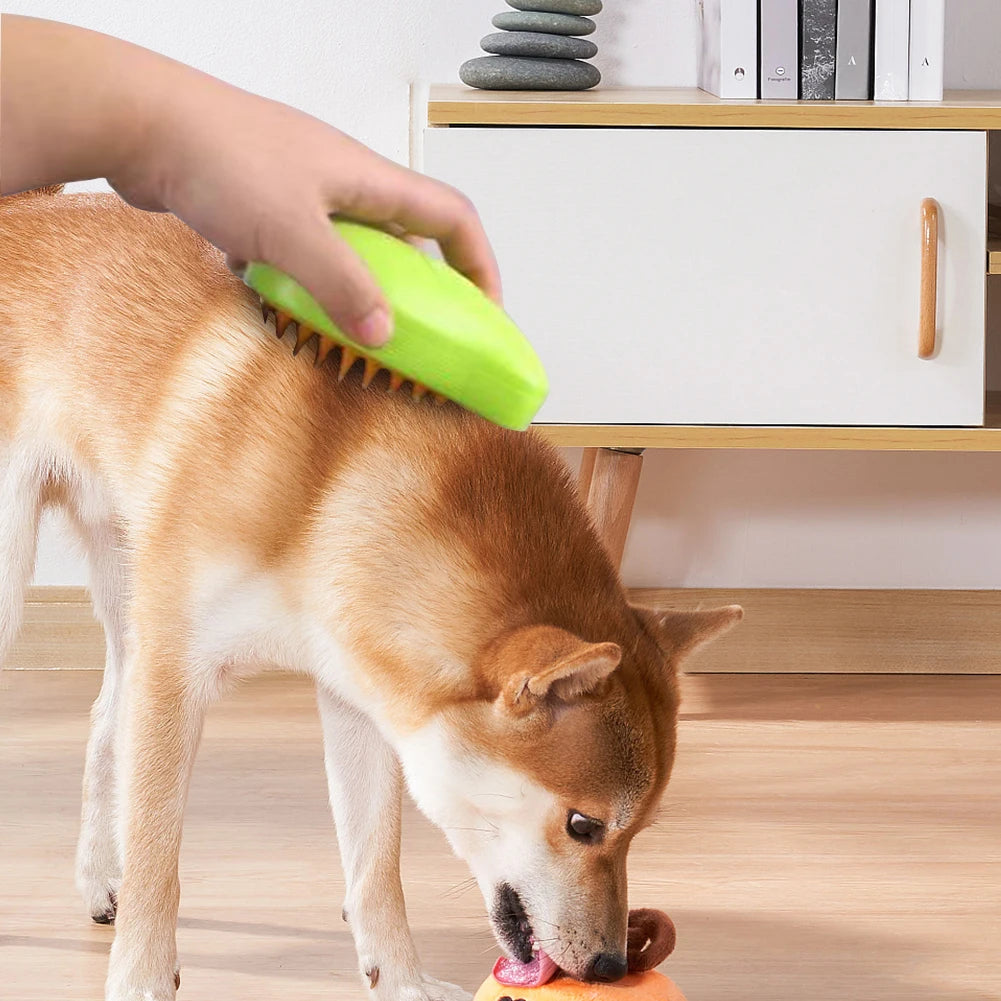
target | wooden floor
[{"x": 823, "y": 839}]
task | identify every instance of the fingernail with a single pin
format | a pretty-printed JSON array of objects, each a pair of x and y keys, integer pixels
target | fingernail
[{"x": 375, "y": 328}]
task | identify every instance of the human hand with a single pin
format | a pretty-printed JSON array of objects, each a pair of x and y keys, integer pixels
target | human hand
[
  {"x": 260, "y": 179},
  {"x": 255, "y": 177}
]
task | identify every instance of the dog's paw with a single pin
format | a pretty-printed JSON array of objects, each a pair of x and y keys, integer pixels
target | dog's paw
[
  {"x": 165, "y": 990},
  {"x": 101, "y": 901},
  {"x": 441, "y": 990},
  {"x": 99, "y": 878},
  {"x": 133, "y": 985},
  {"x": 425, "y": 989},
  {"x": 160, "y": 992}
]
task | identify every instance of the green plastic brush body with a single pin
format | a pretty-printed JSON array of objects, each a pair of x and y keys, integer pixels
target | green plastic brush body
[{"x": 447, "y": 335}]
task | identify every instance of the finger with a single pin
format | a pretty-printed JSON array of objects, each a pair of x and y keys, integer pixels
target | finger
[
  {"x": 425, "y": 207},
  {"x": 421, "y": 243},
  {"x": 395, "y": 229},
  {"x": 336, "y": 277},
  {"x": 236, "y": 265},
  {"x": 449, "y": 218}
]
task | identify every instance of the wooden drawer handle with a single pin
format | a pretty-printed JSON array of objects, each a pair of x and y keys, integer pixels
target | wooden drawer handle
[{"x": 929, "y": 278}]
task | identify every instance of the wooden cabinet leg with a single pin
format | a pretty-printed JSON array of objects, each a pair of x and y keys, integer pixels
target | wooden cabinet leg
[
  {"x": 614, "y": 479},
  {"x": 586, "y": 472}
]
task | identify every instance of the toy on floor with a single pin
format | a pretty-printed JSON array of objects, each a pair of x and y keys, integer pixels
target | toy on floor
[
  {"x": 650, "y": 941},
  {"x": 448, "y": 337}
]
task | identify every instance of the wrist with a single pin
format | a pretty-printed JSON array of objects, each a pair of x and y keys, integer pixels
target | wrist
[
  {"x": 171, "y": 134},
  {"x": 148, "y": 129}
]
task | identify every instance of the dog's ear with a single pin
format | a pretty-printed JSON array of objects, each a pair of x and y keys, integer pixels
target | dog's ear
[
  {"x": 542, "y": 664},
  {"x": 681, "y": 633}
]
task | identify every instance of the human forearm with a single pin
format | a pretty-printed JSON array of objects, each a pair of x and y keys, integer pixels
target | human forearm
[
  {"x": 257, "y": 178},
  {"x": 74, "y": 104}
]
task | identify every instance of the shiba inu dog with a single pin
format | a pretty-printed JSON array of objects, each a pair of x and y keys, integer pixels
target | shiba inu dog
[{"x": 438, "y": 577}]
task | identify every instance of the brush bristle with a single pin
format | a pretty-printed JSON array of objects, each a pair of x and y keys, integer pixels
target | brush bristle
[
  {"x": 371, "y": 370},
  {"x": 302, "y": 336},
  {"x": 324, "y": 345},
  {"x": 282, "y": 320},
  {"x": 348, "y": 358}
]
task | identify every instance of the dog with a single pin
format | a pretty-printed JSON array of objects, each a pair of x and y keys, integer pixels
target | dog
[{"x": 438, "y": 577}]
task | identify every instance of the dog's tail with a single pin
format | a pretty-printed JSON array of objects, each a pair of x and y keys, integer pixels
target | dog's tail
[
  {"x": 20, "y": 511},
  {"x": 20, "y": 196}
]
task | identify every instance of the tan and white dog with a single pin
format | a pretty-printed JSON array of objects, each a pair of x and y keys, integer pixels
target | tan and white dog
[{"x": 438, "y": 578}]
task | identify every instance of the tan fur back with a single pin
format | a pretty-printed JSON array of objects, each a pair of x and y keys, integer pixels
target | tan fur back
[{"x": 127, "y": 344}]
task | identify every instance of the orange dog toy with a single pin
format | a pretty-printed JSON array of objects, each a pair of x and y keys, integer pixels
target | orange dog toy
[{"x": 650, "y": 941}]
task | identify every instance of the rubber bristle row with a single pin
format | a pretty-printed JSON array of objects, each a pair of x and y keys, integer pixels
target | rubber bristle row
[{"x": 324, "y": 345}]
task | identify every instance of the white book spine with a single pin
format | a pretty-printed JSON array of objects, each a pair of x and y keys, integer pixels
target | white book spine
[
  {"x": 893, "y": 30},
  {"x": 779, "y": 49},
  {"x": 927, "y": 50},
  {"x": 853, "y": 73},
  {"x": 728, "y": 61}
]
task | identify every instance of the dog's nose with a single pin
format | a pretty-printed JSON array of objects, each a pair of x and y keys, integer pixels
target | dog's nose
[{"x": 607, "y": 967}]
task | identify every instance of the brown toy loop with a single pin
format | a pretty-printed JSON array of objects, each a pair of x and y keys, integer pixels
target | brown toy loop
[{"x": 650, "y": 939}]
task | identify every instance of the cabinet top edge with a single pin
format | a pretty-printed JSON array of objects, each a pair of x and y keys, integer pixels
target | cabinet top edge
[{"x": 453, "y": 104}]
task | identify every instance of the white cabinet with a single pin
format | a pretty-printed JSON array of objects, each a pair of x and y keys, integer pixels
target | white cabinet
[{"x": 734, "y": 276}]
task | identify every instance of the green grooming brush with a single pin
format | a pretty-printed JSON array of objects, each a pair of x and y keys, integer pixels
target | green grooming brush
[{"x": 448, "y": 337}]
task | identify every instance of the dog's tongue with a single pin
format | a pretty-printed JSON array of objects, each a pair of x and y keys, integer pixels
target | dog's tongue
[{"x": 511, "y": 973}]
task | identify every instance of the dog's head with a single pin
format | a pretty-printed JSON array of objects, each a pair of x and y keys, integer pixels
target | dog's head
[{"x": 541, "y": 783}]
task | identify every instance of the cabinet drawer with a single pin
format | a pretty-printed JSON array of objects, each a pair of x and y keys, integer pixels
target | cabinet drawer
[{"x": 734, "y": 276}]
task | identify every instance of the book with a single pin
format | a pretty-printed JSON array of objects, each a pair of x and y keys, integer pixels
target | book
[
  {"x": 818, "y": 32},
  {"x": 892, "y": 50},
  {"x": 779, "y": 49},
  {"x": 927, "y": 50},
  {"x": 728, "y": 49},
  {"x": 853, "y": 72}
]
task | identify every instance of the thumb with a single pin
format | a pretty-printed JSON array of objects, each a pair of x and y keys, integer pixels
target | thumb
[{"x": 319, "y": 260}]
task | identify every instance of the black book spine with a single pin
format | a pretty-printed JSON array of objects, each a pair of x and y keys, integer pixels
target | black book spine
[{"x": 818, "y": 47}]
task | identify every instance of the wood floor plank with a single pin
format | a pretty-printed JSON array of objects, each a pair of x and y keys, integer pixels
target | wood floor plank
[{"x": 823, "y": 838}]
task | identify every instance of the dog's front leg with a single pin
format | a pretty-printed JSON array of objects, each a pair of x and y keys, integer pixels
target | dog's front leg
[
  {"x": 365, "y": 784},
  {"x": 163, "y": 722}
]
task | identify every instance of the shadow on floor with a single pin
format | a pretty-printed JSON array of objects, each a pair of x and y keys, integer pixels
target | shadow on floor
[{"x": 754, "y": 956}]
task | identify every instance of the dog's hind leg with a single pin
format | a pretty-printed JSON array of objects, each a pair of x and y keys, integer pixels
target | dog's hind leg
[
  {"x": 365, "y": 782},
  {"x": 98, "y": 858},
  {"x": 21, "y": 483}
]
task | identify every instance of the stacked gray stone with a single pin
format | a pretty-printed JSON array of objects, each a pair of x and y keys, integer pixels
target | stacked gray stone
[{"x": 538, "y": 48}]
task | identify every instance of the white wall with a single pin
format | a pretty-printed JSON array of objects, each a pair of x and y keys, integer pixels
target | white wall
[{"x": 702, "y": 518}]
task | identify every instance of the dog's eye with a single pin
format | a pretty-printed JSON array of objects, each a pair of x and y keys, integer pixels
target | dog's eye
[{"x": 582, "y": 828}]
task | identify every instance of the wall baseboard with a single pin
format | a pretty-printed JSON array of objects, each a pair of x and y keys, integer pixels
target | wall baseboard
[
  {"x": 829, "y": 631},
  {"x": 59, "y": 632},
  {"x": 786, "y": 630}
]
